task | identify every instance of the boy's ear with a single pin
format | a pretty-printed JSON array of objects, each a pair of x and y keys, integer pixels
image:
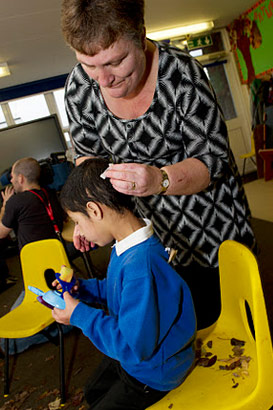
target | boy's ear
[
  {"x": 143, "y": 39},
  {"x": 94, "y": 210},
  {"x": 21, "y": 178}
]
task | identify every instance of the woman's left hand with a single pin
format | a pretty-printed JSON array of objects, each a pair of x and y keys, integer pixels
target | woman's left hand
[
  {"x": 135, "y": 179},
  {"x": 63, "y": 315}
]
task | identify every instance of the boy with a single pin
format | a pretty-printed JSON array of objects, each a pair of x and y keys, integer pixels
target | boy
[{"x": 148, "y": 331}]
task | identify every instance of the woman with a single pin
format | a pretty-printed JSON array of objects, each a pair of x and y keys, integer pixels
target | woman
[{"x": 150, "y": 110}]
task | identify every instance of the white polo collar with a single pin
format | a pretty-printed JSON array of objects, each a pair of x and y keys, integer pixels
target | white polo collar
[{"x": 135, "y": 238}]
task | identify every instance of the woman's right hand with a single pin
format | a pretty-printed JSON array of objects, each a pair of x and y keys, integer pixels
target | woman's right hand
[{"x": 80, "y": 242}]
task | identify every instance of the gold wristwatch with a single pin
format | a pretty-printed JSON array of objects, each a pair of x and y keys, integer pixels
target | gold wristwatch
[{"x": 165, "y": 182}]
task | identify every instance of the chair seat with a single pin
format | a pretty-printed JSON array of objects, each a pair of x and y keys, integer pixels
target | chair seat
[
  {"x": 248, "y": 387},
  {"x": 30, "y": 317},
  {"x": 14, "y": 324},
  {"x": 210, "y": 388}
]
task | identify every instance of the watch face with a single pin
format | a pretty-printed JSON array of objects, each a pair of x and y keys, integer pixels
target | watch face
[{"x": 165, "y": 183}]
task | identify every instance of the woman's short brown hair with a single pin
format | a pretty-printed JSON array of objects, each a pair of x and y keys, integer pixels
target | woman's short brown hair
[{"x": 93, "y": 25}]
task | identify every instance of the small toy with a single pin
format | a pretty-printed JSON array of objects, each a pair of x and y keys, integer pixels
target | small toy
[
  {"x": 65, "y": 278},
  {"x": 51, "y": 298},
  {"x": 54, "y": 298}
]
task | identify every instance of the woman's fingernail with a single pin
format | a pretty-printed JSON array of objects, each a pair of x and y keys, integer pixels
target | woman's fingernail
[{"x": 103, "y": 176}]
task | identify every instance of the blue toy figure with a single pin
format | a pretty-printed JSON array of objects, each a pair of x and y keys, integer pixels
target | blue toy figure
[{"x": 54, "y": 298}]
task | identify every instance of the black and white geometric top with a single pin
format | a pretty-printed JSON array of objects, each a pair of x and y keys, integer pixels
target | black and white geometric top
[{"x": 183, "y": 121}]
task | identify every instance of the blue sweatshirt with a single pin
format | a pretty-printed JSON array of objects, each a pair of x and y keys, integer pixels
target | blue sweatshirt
[{"x": 150, "y": 325}]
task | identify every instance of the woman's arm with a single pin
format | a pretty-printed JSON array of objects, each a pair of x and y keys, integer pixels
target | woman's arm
[
  {"x": 185, "y": 178},
  {"x": 204, "y": 141}
]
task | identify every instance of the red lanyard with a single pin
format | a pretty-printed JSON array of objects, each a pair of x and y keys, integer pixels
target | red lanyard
[{"x": 48, "y": 208}]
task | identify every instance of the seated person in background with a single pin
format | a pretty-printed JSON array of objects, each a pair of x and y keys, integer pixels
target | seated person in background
[
  {"x": 26, "y": 214},
  {"x": 148, "y": 331}
]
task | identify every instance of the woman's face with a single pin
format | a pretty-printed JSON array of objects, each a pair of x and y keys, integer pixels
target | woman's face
[{"x": 118, "y": 70}]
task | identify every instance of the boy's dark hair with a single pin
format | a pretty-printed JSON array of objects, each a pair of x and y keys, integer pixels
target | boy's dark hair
[{"x": 84, "y": 184}]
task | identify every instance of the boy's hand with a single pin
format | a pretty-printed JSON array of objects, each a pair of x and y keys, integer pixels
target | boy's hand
[
  {"x": 80, "y": 242},
  {"x": 63, "y": 316},
  {"x": 56, "y": 284}
]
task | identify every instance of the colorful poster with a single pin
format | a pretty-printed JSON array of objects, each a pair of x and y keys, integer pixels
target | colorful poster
[{"x": 251, "y": 38}]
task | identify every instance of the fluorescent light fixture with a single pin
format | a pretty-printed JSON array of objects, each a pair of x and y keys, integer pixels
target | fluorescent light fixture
[
  {"x": 196, "y": 53},
  {"x": 180, "y": 31},
  {"x": 4, "y": 70}
]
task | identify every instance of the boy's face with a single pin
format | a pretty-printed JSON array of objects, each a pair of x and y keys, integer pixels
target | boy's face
[{"x": 92, "y": 228}]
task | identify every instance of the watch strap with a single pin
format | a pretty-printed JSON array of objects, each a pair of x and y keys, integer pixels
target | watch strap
[{"x": 165, "y": 181}]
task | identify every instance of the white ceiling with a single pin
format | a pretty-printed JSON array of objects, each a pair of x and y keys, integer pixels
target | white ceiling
[{"x": 32, "y": 44}]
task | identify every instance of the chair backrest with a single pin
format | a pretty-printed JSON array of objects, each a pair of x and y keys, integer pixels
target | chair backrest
[
  {"x": 241, "y": 287},
  {"x": 36, "y": 258}
]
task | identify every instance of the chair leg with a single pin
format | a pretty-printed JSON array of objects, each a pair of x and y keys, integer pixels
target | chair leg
[
  {"x": 86, "y": 259},
  {"x": 6, "y": 376},
  {"x": 88, "y": 264},
  {"x": 254, "y": 162},
  {"x": 61, "y": 364},
  {"x": 244, "y": 167}
]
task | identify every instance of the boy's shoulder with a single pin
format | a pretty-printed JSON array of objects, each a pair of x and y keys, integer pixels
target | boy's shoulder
[
  {"x": 143, "y": 259},
  {"x": 149, "y": 247}
]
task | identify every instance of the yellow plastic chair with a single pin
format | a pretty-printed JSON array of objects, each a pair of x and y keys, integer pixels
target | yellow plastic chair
[
  {"x": 30, "y": 317},
  {"x": 249, "y": 155},
  {"x": 210, "y": 388}
]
